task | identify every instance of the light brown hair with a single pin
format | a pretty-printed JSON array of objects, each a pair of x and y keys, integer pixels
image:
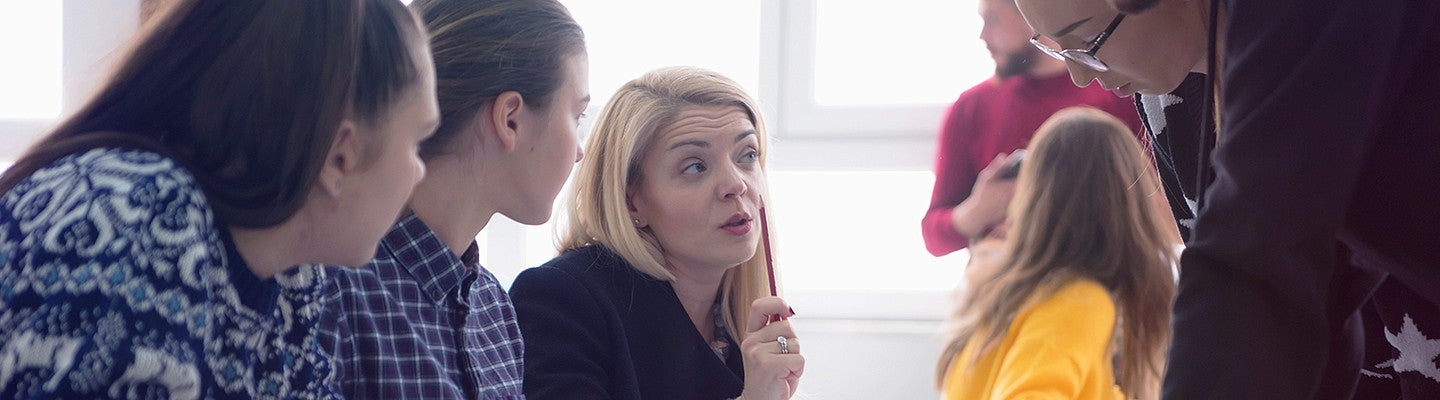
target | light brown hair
[{"x": 1081, "y": 211}]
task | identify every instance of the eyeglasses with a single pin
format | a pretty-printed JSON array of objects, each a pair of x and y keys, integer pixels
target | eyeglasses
[{"x": 1082, "y": 57}]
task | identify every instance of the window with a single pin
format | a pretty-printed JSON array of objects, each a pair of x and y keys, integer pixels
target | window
[
  {"x": 627, "y": 38},
  {"x": 852, "y": 69},
  {"x": 909, "y": 52},
  {"x": 56, "y": 52},
  {"x": 30, "y": 39}
]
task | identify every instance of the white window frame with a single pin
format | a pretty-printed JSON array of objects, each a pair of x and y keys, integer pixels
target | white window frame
[
  {"x": 812, "y": 136},
  {"x": 92, "y": 33}
]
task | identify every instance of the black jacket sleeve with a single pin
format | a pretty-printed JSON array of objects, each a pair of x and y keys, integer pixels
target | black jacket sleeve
[{"x": 1303, "y": 99}]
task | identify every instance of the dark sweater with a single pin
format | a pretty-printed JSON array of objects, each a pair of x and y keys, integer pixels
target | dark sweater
[
  {"x": 1331, "y": 133},
  {"x": 594, "y": 328}
]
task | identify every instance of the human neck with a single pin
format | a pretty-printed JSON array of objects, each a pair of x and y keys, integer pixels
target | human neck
[
  {"x": 271, "y": 250},
  {"x": 697, "y": 291},
  {"x": 450, "y": 205}
]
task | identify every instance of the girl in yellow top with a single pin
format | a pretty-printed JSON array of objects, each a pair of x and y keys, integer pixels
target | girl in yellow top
[{"x": 1077, "y": 298}]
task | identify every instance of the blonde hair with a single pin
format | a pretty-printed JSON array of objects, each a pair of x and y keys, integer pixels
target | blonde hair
[
  {"x": 1081, "y": 211},
  {"x": 626, "y": 129}
]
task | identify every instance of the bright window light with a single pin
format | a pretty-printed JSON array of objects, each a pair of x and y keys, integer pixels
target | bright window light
[
  {"x": 30, "y": 75},
  {"x": 857, "y": 231},
  {"x": 900, "y": 53},
  {"x": 626, "y": 38}
]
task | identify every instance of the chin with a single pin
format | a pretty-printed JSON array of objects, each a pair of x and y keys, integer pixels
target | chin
[{"x": 531, "y": 218}]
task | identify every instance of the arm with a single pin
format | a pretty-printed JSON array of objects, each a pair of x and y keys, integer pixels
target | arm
[
  {"x": 1250, "y": 316},
  {"x": 1058, "y": 345},
  {"x": 567, "y": 349},
  {"x": 96, "y": 303},
  {"x": 953, "y": 180}
]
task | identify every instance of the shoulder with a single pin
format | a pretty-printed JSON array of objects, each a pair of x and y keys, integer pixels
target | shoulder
[
  {"x": 135, "y": 212},
  {"x": 582, "y": 280},
  {"x": 351, "y": 282},
  {"x": 976, "y": 94},
  {"x": 111, "y": 186},
  {"x": 593, "y": 263},
  {"x": 114, "y": 170},
  {"x": 1080, "y": 304}
]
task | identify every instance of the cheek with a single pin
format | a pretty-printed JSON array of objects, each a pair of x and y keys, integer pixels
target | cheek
[{"x": 674, "y": 209}]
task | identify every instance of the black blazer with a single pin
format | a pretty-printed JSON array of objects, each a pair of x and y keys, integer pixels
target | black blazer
[{"x": 595, "y": 328}]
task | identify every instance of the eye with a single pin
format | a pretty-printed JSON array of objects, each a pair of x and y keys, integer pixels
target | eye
[
  {"x": 693, "y": 167},
  {"x": 749, "y": 156}
]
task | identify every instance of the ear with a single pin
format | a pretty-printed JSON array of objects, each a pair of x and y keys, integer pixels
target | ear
[
  {"x": 505, "y": 117},
  {"x": 635, "y": 204},
  {"x": 342, "y": 160}
]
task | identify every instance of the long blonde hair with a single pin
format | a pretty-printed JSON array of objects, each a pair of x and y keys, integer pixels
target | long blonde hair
[
  {"x": 1080, "y": 212},
  {"x": 626, "y": 129}
]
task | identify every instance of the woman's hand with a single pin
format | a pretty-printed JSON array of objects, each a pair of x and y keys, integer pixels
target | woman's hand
[{"x": 769, "y": 373}]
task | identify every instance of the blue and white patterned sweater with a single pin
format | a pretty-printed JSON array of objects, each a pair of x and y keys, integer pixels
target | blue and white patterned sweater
[{"x": 117, "y": 282}]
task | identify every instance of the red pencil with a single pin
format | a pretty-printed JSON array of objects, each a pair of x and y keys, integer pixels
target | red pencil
[{"x": 769, "y": 259}]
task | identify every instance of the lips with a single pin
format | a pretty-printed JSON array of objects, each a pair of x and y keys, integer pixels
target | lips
[{"x": 738, "y": 224}]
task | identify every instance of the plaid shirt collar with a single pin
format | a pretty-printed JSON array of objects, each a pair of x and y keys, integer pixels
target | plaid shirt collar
[{"x": 413, "y": 244}]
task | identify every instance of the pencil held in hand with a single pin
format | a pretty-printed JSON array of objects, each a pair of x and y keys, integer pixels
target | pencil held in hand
[{"x": 769, "y": 259}]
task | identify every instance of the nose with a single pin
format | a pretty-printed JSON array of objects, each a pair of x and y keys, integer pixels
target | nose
[
  {"x": 1080, "y": 74},
  {"x": 734, "y": 184}
]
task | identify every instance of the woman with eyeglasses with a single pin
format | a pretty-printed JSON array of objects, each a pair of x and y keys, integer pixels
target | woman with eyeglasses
[{"x": 1321, "y": 181}]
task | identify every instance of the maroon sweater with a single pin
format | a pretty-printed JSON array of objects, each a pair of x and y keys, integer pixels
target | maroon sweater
[{"x": 994, "y": 117}]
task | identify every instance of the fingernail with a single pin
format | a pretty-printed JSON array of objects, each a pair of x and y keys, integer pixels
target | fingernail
[{"x": 792, "y": 311}]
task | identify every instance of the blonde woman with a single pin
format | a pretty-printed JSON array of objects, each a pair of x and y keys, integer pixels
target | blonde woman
[
  {"x": 1085, "y": 277},
  {"x": 660, "y": 289}
]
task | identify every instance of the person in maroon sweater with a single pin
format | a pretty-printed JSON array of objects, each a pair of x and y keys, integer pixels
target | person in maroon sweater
[
  {"x": 991, "y": 120},
  {"x": 1324, "y": 182}
]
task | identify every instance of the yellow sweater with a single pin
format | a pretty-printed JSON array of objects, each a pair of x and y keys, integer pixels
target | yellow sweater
[{"x": 1056, "y": 348}]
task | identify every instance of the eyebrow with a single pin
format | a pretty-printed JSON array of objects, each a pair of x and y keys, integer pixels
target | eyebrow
[
  {"x": 705, "y": 144},
  {"x": 1071, "y": 27},
  {"x": 742, "y": 135}
]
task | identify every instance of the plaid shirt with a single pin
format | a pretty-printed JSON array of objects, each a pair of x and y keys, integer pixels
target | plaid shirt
[{"x": 396, "y": 326}]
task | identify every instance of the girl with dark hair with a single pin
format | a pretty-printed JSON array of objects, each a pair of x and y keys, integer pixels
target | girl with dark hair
[
  {"x": 512, "y": 83},
  {"x": 148, "y": 244},
  {"x": 1084, "y": 277}
]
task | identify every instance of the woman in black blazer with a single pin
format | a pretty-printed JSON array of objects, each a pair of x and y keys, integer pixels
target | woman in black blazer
[{"x": 660, "y": 290}]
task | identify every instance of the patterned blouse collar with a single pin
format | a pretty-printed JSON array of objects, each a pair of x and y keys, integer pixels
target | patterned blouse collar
[
  {"x": 415, "y": 246},
  {"x": 260, "y": 295}
]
